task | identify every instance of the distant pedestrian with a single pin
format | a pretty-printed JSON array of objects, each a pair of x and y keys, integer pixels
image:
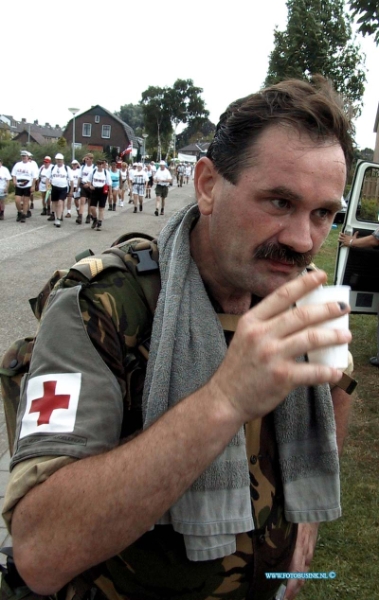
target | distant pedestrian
[
  {"x": 5, "y": 178},
  {"x": 100, "y": 183},
  {"x": 44, "y": 175},
  {"x": 61, "y": 186},
  {"x": 116, "y": 184},
  {"x": 85, "y": 190},
  {"x": 187, "y": 173},
  {"x": 139, "y": 187},
  {"x": 124, "y": 182},
  {"x": 132, "y": 170},
  {"x": 31, "y": 203},
  {"x": 172, "y": 169},
  {"x": 24, "y": 174},
  {"x": 150, "y": 180},
  {"x": 180, "y": 175},
  {"x": 162, "y": 179},
  {"x": 75, "y": 169}
]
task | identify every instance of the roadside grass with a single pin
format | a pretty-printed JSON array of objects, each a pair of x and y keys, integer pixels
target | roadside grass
[
  {"x": 350, "y": 545},
  {"x": 10, "y": 197}
]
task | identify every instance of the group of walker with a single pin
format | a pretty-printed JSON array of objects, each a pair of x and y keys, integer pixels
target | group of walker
[{"x": 88, "y": 184}]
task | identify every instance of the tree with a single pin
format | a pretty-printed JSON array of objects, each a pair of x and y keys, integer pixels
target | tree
[
  {"x": 365, "y": 154},
  {"x": 164, "y": 108},
  {"x": 185, "y": 103},
  {"x": 5, "y": 134},
  {"x": 369, "y": 17},
  {"x": 132, "y": 114},
  {"x": 195, "y": 131},
  {"x": 157, "y": 116},
  {"x": 318, "y": 40}
]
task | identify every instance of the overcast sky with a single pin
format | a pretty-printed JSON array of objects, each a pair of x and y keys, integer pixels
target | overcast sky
[{"x": 79, "y": 54}]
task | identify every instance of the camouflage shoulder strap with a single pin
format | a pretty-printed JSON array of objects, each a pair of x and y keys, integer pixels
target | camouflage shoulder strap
[{"x": 134, "y": 252}]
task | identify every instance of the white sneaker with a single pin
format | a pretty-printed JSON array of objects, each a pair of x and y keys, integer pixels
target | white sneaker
[
  {"x": 57, "y": 223},
  {"x": 121, "y": 204}
]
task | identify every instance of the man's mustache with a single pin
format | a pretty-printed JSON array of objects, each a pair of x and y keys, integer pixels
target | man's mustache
[{"x": 281, "y": 253}]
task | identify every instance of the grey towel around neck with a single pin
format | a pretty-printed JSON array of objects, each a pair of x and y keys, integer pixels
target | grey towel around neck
[
  {"x": 187, "y": 346},
  {"x": 308, "y": 455}
]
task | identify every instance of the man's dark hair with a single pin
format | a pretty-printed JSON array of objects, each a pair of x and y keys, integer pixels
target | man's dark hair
[{"x": 314, "y": 108}]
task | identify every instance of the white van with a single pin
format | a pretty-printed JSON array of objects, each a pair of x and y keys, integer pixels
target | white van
[{"x": 359, "y": 268}]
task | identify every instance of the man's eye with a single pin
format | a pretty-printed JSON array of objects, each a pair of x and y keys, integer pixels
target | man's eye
[
  {"x": 323, "y": 213},
  {"x": 280, "y": 203}
]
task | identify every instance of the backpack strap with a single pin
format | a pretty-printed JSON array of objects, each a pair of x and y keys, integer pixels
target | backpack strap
[{"x": 135, "y": 253}]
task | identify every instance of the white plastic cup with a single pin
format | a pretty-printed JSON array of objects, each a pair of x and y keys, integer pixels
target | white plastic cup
[{"x": 333, "y": 356}]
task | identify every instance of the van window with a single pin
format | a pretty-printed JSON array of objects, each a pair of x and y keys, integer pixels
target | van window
[{"x": 368, "y": 205}]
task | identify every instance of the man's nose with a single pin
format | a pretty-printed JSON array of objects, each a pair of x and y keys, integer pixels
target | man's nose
[{"x": 296, "y": 233}]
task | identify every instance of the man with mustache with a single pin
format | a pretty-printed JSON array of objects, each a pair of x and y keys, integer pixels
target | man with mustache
[{"x": 235, "y": 462}]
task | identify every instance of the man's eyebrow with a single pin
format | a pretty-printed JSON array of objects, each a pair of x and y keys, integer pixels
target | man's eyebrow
[{"x": 285, "y": 192}]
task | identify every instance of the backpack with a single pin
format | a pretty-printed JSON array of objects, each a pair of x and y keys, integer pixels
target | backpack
[{"x": 135, "y": 253}]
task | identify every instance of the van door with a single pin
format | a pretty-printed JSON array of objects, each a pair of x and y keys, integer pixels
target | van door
[{"x": 359, "y": 268}]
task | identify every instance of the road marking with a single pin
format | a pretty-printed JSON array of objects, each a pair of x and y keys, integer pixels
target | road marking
[{"x": 12, "y": 237}]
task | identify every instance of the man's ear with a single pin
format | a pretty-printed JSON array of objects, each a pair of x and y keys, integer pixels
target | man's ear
[{"x": 205, "y": 179}]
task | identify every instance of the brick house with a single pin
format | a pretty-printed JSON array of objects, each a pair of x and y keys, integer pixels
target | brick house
[{"x": 101, "y": 130}]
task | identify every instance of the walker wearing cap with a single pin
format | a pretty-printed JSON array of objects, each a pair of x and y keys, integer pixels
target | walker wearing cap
[
  {"x": 47, "y": 159},
  {"x": 163, "y": 179},
  {"x": 62, "y": 185},
  {"x": 75, "y": 166},
  {"x": 25, "y": 175}
]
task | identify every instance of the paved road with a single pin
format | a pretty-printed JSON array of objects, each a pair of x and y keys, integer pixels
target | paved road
[{"x": 29, "y": 254}]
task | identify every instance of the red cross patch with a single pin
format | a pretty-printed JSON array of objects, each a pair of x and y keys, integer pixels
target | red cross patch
[{"x": 51, "y": 404}]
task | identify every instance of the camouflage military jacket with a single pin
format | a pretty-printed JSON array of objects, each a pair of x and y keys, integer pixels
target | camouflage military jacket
[{"x": 155, "y": 566}]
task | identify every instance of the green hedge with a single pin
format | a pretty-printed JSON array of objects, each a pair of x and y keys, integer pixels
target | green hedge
[{"x": 10, "y": 152}]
